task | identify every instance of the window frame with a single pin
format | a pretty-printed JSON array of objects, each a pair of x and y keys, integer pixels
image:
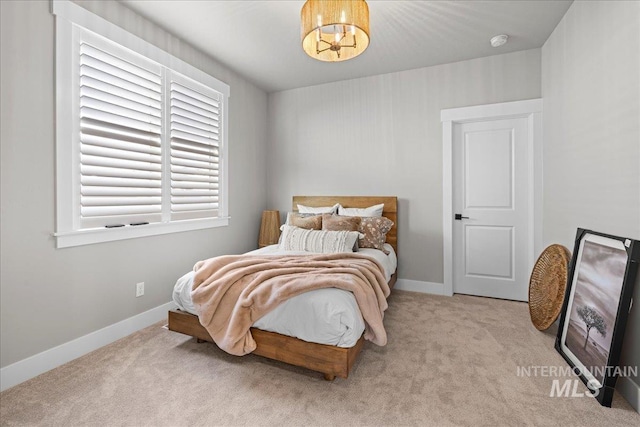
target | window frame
[{"x": 71, "y": 19}]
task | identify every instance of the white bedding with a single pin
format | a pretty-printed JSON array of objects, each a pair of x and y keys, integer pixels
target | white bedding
[{"x": 325, "y": 316}]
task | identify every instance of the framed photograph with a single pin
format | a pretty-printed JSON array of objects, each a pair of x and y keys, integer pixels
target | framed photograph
[{"x": 594, "y": 314}]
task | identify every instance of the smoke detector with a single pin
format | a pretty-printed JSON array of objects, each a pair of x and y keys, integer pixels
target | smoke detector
[{"x": 499, "y": 40}]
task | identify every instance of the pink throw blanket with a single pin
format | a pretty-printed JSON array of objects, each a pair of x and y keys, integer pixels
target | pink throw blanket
[{"x": 232, "y": 292}]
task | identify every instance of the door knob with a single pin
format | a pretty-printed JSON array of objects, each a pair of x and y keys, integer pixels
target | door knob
[{"x": 459, "y": 217}]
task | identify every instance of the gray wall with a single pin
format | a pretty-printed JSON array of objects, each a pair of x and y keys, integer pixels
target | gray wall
[
  {"x": 50, "y": 296},
  {"x": 591, "y": 91},
  {"x": 382, "y": 135}
]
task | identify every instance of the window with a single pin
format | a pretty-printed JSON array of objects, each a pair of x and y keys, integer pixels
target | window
[{"x": 141, "y": 146}]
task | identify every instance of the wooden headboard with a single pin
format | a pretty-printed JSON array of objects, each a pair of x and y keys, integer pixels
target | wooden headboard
[{"x": 390, "y": 208}]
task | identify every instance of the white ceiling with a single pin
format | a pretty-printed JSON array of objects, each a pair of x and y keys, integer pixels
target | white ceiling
[{"x": 261, "y": 39}]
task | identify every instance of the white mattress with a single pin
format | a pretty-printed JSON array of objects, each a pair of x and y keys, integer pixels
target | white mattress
[{"x": 325, "y": 316}]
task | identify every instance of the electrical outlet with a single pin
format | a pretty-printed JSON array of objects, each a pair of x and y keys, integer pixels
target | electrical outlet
[{"x": 139, "y": 289}]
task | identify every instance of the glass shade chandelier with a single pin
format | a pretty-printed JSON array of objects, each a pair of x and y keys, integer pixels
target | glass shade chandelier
[{"x": 335, "y": 30}]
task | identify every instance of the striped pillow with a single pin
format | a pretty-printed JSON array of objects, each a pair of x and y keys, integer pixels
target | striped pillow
[{"x": 318, "y": 241}]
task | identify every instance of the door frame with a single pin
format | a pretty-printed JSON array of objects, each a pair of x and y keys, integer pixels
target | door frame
[{"x": 530, "y": 109}]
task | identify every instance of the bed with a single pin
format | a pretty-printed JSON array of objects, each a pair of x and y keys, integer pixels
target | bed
[{"x": 330, "y": 360}]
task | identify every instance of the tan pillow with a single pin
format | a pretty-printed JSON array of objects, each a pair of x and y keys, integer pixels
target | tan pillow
[
  {"x": 339, "y": 223},
  {"x": 375, "y": 231},
  {"x": 304, "y": 221}
]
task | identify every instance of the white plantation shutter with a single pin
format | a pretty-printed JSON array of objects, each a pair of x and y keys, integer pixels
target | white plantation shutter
[
  {"x": 140, "y": 136},
  {"x": 120, "y": 108},
  {"x": 195, "y": 149}
]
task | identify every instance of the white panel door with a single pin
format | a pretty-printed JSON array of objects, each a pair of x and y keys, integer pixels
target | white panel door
[{"x": 491, "y": 195}]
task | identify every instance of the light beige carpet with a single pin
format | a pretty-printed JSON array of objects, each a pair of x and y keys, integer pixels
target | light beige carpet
[{"x": 449, "y": 361}]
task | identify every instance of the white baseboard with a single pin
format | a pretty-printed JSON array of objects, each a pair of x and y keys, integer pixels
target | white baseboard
[
  {"x": 42, "y": 362},
  {"x": 630, "y": 391},
  {"x": 420, "y": 286}
]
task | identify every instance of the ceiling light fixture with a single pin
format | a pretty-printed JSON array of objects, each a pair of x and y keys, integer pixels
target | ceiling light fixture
[
  {"x": 499, "y": 40},
  {"x": 335, "y": 30}
]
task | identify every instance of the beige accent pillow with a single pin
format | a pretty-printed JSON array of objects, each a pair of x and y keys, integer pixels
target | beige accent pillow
[
  {"x": 337, "y": 222},
  {"x": 375, "y": 232},
  {"x": 318, "y": 241},
  {"x": 313, "y": 222}
]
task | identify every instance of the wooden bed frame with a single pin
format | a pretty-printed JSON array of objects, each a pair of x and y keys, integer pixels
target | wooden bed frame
[{"x": 329, "y": 360}]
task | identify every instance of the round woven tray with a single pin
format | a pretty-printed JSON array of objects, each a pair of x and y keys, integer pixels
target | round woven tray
[{"x": 547, "y": 286}]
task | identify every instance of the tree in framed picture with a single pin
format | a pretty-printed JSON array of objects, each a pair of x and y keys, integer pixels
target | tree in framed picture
[{"x": 594, "y": 314}]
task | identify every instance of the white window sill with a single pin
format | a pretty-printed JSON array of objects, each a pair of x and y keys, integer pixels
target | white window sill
[{"x": 99, "y": 235}]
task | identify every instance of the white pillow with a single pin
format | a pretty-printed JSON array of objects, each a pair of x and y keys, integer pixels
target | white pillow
[
  {"x": 326, "y": 209},
  {"x": 318, "y": 241},
  {"x": 371, "y": 211}
]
